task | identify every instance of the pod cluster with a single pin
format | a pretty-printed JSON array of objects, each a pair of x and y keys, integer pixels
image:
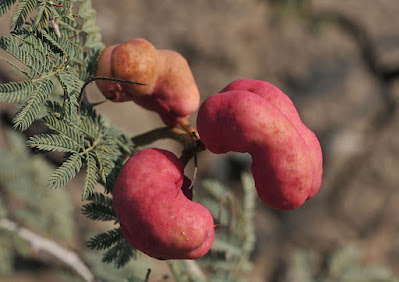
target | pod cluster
[{"x": 151, "y": 196}]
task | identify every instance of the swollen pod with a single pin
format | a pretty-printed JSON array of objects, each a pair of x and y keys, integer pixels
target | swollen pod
[
  {"x": 154, "y": 214},
  {"x": 170, "y": 88},
  {"x": 245, "y": 118}
]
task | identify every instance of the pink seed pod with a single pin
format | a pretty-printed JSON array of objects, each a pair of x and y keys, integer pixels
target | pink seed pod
[
  {"x": 244, "y": 117},
  {"x": 170, "y": 88},
  {"x": 277, "y": 98},
  {"x": 154, "y": 213}
]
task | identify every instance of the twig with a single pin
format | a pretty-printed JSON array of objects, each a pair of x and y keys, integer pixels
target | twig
[
  {"x": 188, "y": 269},
  {"x": 163, "y": 133},
  {"x": 189, "y": 152},
  {"x": 147, "y": 277},
  {"x": 37, "y": 242},
  {"x": 195, "y": 270},
  {"x": 192, "y": 145}
]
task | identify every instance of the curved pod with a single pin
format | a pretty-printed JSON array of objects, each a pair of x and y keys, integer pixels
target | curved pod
[
  {"x": 170, "y": 88},
  {"x": 242, "y": 121},
  {"x": 277, "y": 98},
  {"x": 154, "y": 214}
]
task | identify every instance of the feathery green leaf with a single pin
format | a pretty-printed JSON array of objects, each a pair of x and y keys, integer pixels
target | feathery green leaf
[
  {"x": 105, "y": 163},
  {"x": 69, "y": 80},
  {"x": 95, "y": 211},
  {"x": 71, "y": 84},
  {"x": 91, "y": 176},
  {"x": 100, "y": 199},
  {"x": 64, "y": 128},
  {"x": 90, "y": 127},
  {"x": 31, "y": 108},
  {"x": 100, "y": 209},
  {"x": 53, "y": 143},
  {"x": 12, "y": 92},
  {"x": 51, "y": 40},
  {"x": 46, "y": 13},
  {"x": 66, "y": 171},
  {"x": 112, "y": 176},
  {"x": 31, "y": 52},
  {"x": 89, "y": 63},
  {"x": 120, "y": 254},
  {"x": 5, "y": 6},
  {"x": 54, "y": 108},
  {"x": 105, "y": 240},
  {"x": 21, "y": 13},
  {"x": 42, "y": 14},
  {"x": 107, "y": 152}
]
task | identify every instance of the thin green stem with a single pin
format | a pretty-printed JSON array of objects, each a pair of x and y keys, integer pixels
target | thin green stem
[
  {"x": 93, "y": 146},
  {"x": 15, "y": 66},
  {"x": 192, "y": 145},
  {"x": 49, "y": 74},
  {"x": 163, "y": 133},
  {"x": 189, "y": 152}
]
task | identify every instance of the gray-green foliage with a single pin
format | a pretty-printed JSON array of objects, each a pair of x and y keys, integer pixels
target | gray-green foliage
[
  {"x": 5, "y": 5},
  {"x": 118, "y": 251},
  {"x": 10, "y": 246},
  {"x": 132, "y": 272},
  {"x": 6, "y": 254},
  {"x": 345, "y": 264},
  {"x": 23, "y": 178},
  {"x": 59, "y": 45},
  {"x": 100, "y": 208},
  {"x": 183, "y": 271},
  {"x": 55, "y": 46},
  {"x": 235, "y": 234},
  {"x": 88, "y": 139}
]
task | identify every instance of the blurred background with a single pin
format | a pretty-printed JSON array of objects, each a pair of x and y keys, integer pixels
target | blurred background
[{"x": 338, "y": 60}]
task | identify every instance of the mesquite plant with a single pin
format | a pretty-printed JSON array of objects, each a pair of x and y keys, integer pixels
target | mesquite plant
[{"x": 56, "y": 47}]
